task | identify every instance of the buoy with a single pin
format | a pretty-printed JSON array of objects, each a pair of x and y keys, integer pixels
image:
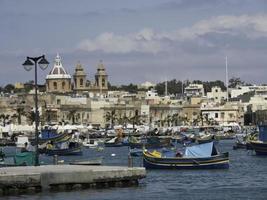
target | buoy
[{"x": 113, "y": 154}]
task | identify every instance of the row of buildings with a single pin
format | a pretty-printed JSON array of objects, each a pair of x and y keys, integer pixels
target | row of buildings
[{"x": 75, "y": 100}]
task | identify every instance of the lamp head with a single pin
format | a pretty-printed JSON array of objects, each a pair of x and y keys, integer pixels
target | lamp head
[
  {"x": 43, "y": 63},
  {"x": 28, "y": 64}
]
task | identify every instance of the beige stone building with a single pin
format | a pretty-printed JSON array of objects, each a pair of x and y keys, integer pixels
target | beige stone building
[
  {"x": 82, "y": 85},
  {"x": 58, "y": 80}
]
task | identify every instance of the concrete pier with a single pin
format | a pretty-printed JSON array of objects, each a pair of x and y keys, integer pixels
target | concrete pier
[{"x": 15, "y": 180}]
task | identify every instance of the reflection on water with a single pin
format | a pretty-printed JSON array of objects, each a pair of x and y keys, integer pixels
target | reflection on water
[{"x": 245, "y": 179}]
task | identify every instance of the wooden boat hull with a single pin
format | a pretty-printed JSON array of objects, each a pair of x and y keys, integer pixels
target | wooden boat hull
[
  {"x": 259, "y": 148},
  {"x": 214, "y": 162}
]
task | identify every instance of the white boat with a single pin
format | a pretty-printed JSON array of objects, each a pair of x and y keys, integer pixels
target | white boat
[
  {"x": 21, "y": 140},
  {"x": 90, "y": 143}
]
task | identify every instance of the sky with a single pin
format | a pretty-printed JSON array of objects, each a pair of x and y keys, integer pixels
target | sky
[{"x": 138, "y": 41}]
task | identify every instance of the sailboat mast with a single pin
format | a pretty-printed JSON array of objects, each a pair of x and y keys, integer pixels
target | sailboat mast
[
  {"x": 166, "y": 88},
  {"x": 226, "y": 78}
]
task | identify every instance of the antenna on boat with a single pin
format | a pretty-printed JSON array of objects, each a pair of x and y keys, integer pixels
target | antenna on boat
[{"x": 226, "y": 77}]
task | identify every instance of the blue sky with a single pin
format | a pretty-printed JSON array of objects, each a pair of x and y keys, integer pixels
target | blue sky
[{"x": 141, "y": 40}]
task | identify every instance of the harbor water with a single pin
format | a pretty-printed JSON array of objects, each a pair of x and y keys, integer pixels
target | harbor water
[{"x": 245, "y": 179}]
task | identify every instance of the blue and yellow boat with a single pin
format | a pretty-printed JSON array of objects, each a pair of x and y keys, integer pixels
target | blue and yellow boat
[{"x": 202, "y": 156}]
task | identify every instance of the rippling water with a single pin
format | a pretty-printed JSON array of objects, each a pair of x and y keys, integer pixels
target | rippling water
[{"x": 245, "y": 179}]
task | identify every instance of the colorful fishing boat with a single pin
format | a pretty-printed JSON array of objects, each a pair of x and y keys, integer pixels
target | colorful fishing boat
[
  {"x": 260, "y": 146},
  {"x": 52, "y": 135},
  {"x": 72, "y": 148},
  {"x": 202, "y": 156}
]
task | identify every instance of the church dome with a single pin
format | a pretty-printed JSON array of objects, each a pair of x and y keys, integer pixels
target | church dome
[{"x": 58, "y": 71}]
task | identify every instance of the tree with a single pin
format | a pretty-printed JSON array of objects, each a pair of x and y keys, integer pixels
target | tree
[
  {"x": 175, "y": 119},
  {"x": 31, "y": 116},
  {"x": 71, "y": 115},
  {"x": 123, "y": 120},
  {"x": 4, "y": 117},
  {"x": 112, "y": 87},
  {"x": 136, "y": 119},
  {"x": 168, "y": 119},
  {"x": 9, "y": 88},
  {"x": 235, "y": 81},
  {"x": 111, "y": 116},
  {"x": 174, "y": 87},
  {"x": 20, "y": 111},
  {"x": 130, "y": 88}
]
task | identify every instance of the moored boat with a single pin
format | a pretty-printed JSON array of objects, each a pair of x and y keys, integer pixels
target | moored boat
[
  {"x": 203, "y": 156},
  {"x": 260, "y": 145},
  {"x": 90, "y": 143},
  {"x": 51, "y": 135},
  {"x": 72, "y": 148}
]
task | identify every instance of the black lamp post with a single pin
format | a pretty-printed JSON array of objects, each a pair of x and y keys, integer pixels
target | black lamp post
[{"x": 28, "y": 65}]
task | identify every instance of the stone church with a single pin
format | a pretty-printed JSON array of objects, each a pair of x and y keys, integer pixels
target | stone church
[{"x": 59, "y": 81}]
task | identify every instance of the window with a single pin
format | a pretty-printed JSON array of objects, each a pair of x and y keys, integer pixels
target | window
[
  {"x": 216, "y": 115},
  {"x": 216, "y": 90},
  {"x": 103, "y": 82},
  {"x": 63, "y": 85},
  {"x": 55, "y": 85},
  {"x": 81, "y": 82}
]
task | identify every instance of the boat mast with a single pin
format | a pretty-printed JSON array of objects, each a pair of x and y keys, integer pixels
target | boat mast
[
  {"x": 166, "y": 88},
  {"x": 226, "y": 78}
]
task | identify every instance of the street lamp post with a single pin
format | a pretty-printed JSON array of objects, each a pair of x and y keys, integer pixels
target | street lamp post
[{"x": 43, "y": 64}]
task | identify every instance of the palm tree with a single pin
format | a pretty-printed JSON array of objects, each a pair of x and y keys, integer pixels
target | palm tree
[
  {"x": 111, "y": 116},
  {"x": 20, "y": 111},
  {"x": 13, "y": 118},
  {"x": 31, "y": 116},
  {"x": 123, "y": 120},
  {"x": 4, "y": 117},
  {"x": 175, "y": 118},
  {"x": 136, "y": 119},
  {"x": 207, "y": 120},
  {"x": 168, "y": 119},
  {"x": 185, "y": 120},
  {"x": 71, "y": 115},
  {"x": 48, "y": 113}
]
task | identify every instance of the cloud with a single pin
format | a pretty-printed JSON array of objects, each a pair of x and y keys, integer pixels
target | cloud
[
  {"x": 251, "y": 26},
  {"x": 145, "y": 41},
  {"x": 210, "y": 33}
]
